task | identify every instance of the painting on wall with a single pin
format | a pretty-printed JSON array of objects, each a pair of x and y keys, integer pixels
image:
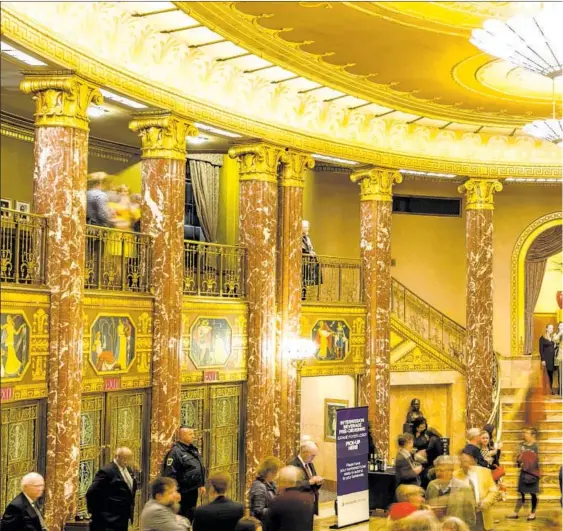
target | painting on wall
[
  {"x": 211, "y": 342},
  {"x": 15, "y": 345},
  {"x": 331, "y": 406},
  {"x": 332, "y": 339},
  {"x": 113, "y": 343}
]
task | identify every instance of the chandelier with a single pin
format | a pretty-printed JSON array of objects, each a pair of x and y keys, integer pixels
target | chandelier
[
  {"x": 550, "y": 130},
  {"x": 532, "y": 42}
]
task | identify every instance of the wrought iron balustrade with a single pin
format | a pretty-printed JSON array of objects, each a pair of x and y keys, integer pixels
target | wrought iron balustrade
[
  {"x": 439, "y": 330},
  {"x": 214, "y": 270},
  {"x": 330, "y": 279},
  {"x": 22, "y": 247},
  {"x": 117, "y": 260}
]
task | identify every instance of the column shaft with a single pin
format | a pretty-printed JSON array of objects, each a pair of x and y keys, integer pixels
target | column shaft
[
  {"x": 59, "y": 193},
  {"x": 258, "y": 231},
  {"x": 375, "y": 242},
  {"x": 163, "y": 169},
  {"x": 479, "y": 343}
]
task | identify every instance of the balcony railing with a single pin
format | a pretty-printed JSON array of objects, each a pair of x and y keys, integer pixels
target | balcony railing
[
  {"x": 213, "y": 270},
  {"x": 117, "y": 260},
  {"x": 22, "y": 245},
  {"x": 330, "y": 279},
  {"x": 432, "y": 325}
]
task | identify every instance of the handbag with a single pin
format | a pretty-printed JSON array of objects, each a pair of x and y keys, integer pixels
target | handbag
[{"x": 498, "y": 473}]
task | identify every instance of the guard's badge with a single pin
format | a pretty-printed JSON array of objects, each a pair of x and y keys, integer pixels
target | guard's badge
[{"x": 169, "y": 461}]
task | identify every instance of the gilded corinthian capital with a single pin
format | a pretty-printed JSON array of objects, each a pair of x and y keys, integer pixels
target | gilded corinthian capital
[
  {"x": 294, "y": 164},
  {"x": 376, "y": 184},
  {"x": 479, "y": 193},
  {"x": 61, "y": 98},
  {"x": 163, "y": 134},
  {"x": 258, "y": 162}
]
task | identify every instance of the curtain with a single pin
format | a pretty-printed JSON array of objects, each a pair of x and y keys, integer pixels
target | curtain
[
  {"x": 545, "y": 245},
  {"x": 205, "y": 180}
]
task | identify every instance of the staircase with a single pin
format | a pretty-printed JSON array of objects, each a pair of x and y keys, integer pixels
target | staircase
[{"x": 550, "y": 444}]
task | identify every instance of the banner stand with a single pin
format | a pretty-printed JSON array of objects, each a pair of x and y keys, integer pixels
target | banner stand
[{"x": 352, "y": 450}]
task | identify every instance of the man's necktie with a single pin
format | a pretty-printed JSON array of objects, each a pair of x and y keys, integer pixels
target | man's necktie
[
  {"x": 127, "y": 477},
  {"x": 309, "y": 471},
  {"x": 38, "y": 512}
]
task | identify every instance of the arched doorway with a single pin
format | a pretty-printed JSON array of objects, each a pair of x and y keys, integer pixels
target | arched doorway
[{"x": 518, "y": 278}]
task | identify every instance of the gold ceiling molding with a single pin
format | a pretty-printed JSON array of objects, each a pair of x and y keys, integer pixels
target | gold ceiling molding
[
  {"x": 290, "y": 48},
  {"x": 165, "y": 69},
  {"x": 14, "y": 126}
]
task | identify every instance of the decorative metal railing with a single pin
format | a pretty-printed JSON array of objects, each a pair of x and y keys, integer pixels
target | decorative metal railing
[
  {"x": 432, "y": 325},
  {"x": 330, "y": 279},
  {"x": 22, "y": 247},
  {"x": 117, "y": 260},
  {"x": 214, "y": 270}
]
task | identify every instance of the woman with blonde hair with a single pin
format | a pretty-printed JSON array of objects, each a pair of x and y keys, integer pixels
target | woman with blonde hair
[
  {"x": 454, "y": 524},
  {"x": 263, "y": 489}
]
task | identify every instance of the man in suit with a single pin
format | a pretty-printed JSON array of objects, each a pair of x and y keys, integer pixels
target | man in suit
[
  {"x": 160, "y": 512},
  {"x": 22, "y": 513},
  {"x": 183, "y": 463},
  {"x": 407, "y": 471},
  {"x": 304, "y": 462},
  {"x": 484, "y": 492},
  {"x": 292, "y": 509},
  {"x": 111, "y": 496},
  {"x": 472, "y": 447},
  {"x": 222, "y": 514}
]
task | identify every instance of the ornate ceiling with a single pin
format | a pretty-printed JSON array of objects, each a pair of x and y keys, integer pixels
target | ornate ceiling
[
  {"x": 394, "y": 84},
  {"x": 411, "y": 56}
]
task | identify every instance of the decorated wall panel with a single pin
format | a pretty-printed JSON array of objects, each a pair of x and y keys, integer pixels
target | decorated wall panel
[
  {"x": 214, "y": 341},
  {"x": 24, "y": 321},
  {"x": 117, "y": 343},
  {"x": 339, "y": 337}
]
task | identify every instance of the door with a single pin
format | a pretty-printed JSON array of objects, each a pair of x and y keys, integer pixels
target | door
[
  {"x": 22, "y": 429},
  {"x": 215, "y": 412},
  {"x": 109, "y": 421}
]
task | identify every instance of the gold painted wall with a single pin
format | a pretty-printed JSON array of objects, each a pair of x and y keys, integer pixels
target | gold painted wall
[
  {"x": 117, "y": 342},
  {"x": 214, "y": 340},
  {"x": 25, "y": 344}
]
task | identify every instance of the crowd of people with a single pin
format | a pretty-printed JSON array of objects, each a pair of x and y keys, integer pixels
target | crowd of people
[
  {"x": 115, "y": 207},
  {"x": 458, "y": 494}
]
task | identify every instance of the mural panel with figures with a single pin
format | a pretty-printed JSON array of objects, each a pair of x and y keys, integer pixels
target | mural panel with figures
[
  {"x": 113, "y": 343},
  {"x": 15, "y": 344},
  {"x": 339, "y": 337},
  {"x": 211, "y": 342},
  {"x": 214, "y": 341},
  {"x": 332, "y": 339}
]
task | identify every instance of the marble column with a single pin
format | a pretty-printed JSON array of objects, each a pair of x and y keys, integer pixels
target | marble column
[
  {"x": 479, "y": 298},
  {"x": 376, "y": 204},
  {"x": 59, "y": 193},
  {"x": 163, "y": 169},
  {"x": 258, "y": 165},
  {"x": 291, "y": 184}
]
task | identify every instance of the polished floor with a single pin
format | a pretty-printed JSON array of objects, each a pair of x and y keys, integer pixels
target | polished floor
[{"x": 548, "y": 519}]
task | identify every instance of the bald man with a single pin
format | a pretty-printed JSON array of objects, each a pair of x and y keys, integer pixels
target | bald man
[
  {"x": 111, "y": 496},
  {"x": 304, "y": 461},
  {"x": 22, "y": 513}
]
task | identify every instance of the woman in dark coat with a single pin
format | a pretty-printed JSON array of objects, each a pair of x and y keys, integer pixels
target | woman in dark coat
[
  {"x": 263, "y": 489},
  {"x": 547, "y": 353}
]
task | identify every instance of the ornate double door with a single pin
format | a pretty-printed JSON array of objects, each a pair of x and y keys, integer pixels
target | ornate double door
[
  {"x": 216, "y": 413},
  {"x": 109, "y": 421}
]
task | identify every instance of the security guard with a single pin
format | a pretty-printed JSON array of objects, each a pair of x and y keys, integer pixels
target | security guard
[{"x": 183, "y": 463}]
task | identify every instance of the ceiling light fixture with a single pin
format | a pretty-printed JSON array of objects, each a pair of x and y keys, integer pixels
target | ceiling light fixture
[
  {"x": 550, "y": 130},
  {"x": 95, "y": 111},
  {"x": 197, "y": 139},
  {"x": 531, "y": 180},
  {"x": 334, "y": 159},
  {"x": 216, "y": 130},
  {"x": 532, "y": 42},
  {"x": 8, "y": 49},
  {"x": 122, "y": 99},
  {"x": 428, "y": 173}
]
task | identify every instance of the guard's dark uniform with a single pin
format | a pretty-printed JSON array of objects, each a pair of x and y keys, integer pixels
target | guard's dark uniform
[{"x": 183, "y": 463}]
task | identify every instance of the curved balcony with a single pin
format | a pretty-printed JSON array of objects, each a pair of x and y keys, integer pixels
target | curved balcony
[
  {"x": 214, "y": 270},
  {"x": 22, "y": 247}
]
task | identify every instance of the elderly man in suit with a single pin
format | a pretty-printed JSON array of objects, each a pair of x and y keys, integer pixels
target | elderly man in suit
[
  {"x": 304, "y": 462},
  {"x": 22, "y": 513},
  {"x": 160, "y": 512},
  {"x": 111, "y": 496},
  {"x": 222, "y": 514}
]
